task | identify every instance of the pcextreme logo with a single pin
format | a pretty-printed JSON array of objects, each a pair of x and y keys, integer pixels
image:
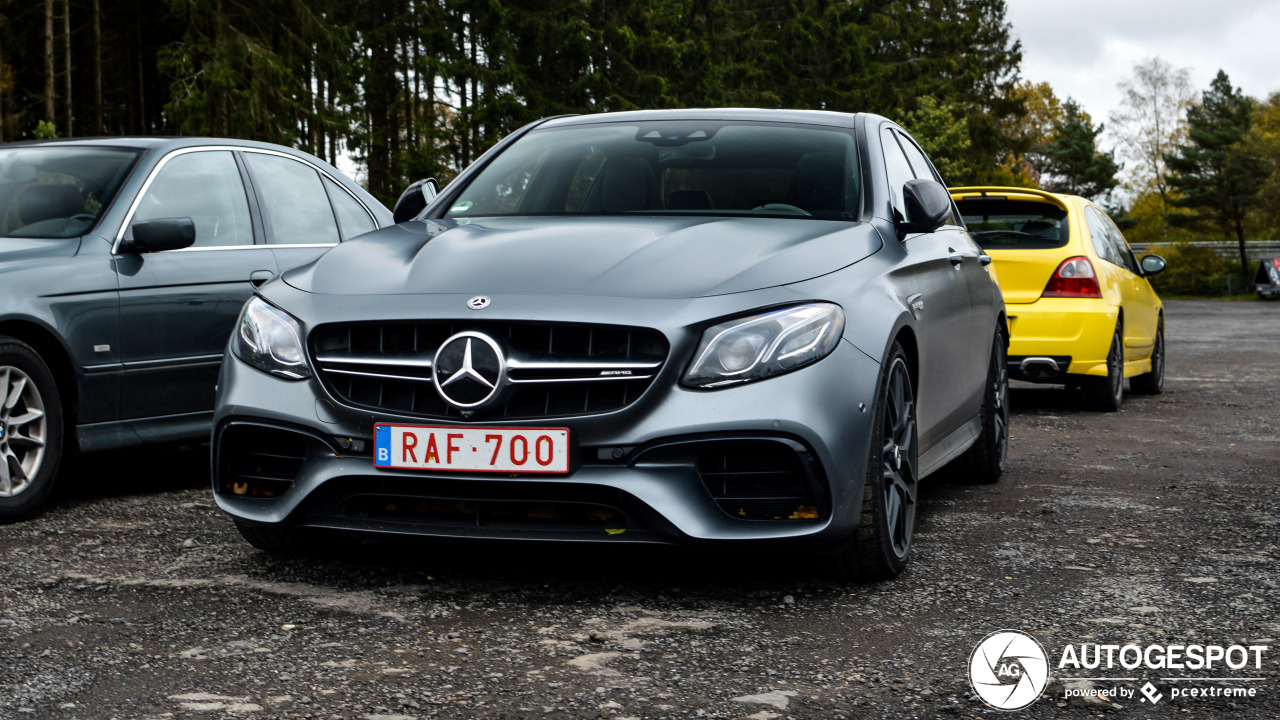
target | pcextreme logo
[{"x": 1008, "y": 670}]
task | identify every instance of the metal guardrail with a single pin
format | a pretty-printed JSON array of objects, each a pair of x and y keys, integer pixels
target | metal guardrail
[{"x": 1254, "y": 248}]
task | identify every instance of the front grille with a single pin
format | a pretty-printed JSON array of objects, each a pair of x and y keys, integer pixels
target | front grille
[
  {"x": 260, "y": 461},
  {"x": 760, "y": 479},
  {"x": 554, "y": 369}
]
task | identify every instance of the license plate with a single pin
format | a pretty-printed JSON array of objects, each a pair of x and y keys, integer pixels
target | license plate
[{"x": 471, "y": 449}]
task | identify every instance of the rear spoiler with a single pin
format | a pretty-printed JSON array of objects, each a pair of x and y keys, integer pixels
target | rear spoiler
[{"x": 1006, "y": 193}]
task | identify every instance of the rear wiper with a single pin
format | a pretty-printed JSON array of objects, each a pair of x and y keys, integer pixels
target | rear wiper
[{"x": 1013, "y": 233}]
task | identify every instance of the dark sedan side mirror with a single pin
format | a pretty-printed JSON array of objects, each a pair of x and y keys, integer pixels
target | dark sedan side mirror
[
  {"x": 928, "y": 206},
  {"x": 415, "y": 199},
  {"x": 162, "y": 234},
  {"x": 1153, "y": 264}
]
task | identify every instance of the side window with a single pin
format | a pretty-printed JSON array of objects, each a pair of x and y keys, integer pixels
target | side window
[
  {"x": 925, "y": 171},
  {"x": 353, "y": 219},
  {"x": 206, "y": 187},
  {"x": 1121, "y": 245},
  {"x": 1101, "y": 236},
  {"x": 295, "y": 207},
  {"x": 899, "y": 169}
]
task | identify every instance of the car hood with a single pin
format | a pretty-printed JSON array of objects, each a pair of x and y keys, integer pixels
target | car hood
[
  {"x": 641, "y": 257},
  {"x": 21, "y": 249}
]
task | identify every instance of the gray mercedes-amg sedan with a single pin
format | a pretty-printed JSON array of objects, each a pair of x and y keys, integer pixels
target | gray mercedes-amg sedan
[{"x": 693, "y": 326}]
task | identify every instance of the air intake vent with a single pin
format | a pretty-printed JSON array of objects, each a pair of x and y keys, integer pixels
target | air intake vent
[
  {"x": 263, "y": 461},
  {"x": 761, "y": 479},
  {"x": 554, "y": 370}
]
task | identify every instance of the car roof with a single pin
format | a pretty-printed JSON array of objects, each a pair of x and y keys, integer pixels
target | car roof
[
  {"x": 814, "y": 117},
  {"x": 150, "y": 143}
]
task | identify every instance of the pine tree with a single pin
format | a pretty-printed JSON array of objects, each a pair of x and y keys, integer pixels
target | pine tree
[
  {"x": 1071, "y": 162},
  {"x": 1215, "y": 177}
]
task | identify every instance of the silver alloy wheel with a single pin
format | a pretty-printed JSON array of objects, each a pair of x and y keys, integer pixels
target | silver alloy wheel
[
  {"x": 23, "y": 428},
  {"x": 898, "y": 464}
]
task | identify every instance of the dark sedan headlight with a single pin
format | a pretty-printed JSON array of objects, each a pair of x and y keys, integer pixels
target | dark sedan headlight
[
  {"x": 765, "y": 345},
  {"x": 270, "y": 340}
]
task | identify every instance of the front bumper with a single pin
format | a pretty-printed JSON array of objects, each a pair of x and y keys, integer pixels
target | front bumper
[
  {"x": 637, "y": 477},
  {"x": 1077, "y": 330}
]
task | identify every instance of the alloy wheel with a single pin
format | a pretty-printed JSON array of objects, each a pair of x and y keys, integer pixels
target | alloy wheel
[
  {"x": 899, "y": 459},
  {"x": 1001, "y": 408},
  {"x": 23, "y": 428}
]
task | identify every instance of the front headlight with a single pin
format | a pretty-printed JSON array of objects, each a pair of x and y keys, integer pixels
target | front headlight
[
  {"x": 765, "y": 345},
  {"x": 269, "y": 339}
]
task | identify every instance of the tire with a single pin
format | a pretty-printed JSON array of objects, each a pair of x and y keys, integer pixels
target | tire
[
  {"x": 1152, "y": 383},
  {"x": 31, "y": 430},
  {"x": 879, "y": 546},
  {"x": 1107, "y": 394},
  {"x": 983, "y": 462},
  {"x": 288, "y": 542}
]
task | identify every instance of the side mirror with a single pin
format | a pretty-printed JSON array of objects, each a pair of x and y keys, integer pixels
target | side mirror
[
  {"x": 415, "y": 199},
  {"x": 1153, "y": 264},
  {"x": 928, "y": 206},
  {"x": 162, "y": 234}
]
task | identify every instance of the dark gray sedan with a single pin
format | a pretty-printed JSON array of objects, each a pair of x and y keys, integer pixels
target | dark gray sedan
[
  {"x": 711, "y": 326},
  {"x": 124, "y": 264}
]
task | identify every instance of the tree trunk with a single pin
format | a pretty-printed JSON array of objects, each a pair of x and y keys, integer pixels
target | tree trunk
[
  {"x": 97, "y": 68},
  {"x": 1244, "y": 257},
  {"x": 142, "y": 88},
  {"x": 48, "y": 61},
  {"x": 66, "y": 47}
]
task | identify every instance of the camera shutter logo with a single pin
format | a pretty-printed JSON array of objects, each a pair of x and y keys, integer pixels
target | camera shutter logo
[{"x": 1008, "y": 670}]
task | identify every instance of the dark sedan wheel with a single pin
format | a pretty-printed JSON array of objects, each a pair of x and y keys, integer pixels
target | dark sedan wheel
[
  {"x": 1152, "y": 383},
  {"x": 880, "y": 543},
  {"x": 983, "y": 462},
  {"x": 30, "y": 430},
  {"x": 1107, "y": 394}
]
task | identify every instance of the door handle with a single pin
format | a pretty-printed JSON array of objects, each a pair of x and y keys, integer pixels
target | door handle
[{"x": 257, "y": 277}]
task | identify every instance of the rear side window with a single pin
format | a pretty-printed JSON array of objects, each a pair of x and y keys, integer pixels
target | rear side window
[
  {"x": 1100, "y": 234},
  {"x": 352, "y": 218},
  {"x": 296, "y": 208},
  {"x": 1015, "y": 224}
]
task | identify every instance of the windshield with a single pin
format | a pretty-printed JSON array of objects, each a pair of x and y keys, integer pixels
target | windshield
[
  {"x": 1015, "y": 224},
  {"x": 682, "y": 167},
  {"x": 58, "y": 192}
]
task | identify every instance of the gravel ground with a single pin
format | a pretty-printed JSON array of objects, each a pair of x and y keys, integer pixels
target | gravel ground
[{"x": 132, "y": 597}]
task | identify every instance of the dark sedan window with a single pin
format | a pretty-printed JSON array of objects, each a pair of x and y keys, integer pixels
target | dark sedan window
[
  {"x": 58, "y": 192},
  {"x": 671, "y": 167},
  {"x": 206, "y": 187},
  {"x": 1015, "y": 224},
  {"x": 352, "y": 218},
  {"x": 296, "y": 205}
]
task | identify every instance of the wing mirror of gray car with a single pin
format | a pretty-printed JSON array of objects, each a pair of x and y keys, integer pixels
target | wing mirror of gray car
[
  {"x": 1153, "y": 264},
  {"x": 162, "y": 234},
  {"x": 415, "y": 199},
  {"x": 928, "y": 206}
]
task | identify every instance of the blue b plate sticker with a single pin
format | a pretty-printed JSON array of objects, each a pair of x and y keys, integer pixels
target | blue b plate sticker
[{"x": 382, "y": 446}]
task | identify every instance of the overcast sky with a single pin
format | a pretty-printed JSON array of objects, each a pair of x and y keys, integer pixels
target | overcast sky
[{"x": 1084, "y": 47}]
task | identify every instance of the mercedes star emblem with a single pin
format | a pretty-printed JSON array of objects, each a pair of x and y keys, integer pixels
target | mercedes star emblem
[
  {"x": 469, "y": 369},
  {"x": 478, "y": 302}
]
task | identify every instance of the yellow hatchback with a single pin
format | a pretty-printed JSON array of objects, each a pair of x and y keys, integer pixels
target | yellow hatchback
[{"x": 1081, "y": 311}]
